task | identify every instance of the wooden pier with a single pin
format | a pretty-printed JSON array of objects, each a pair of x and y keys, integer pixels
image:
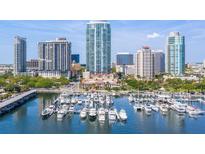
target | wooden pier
[{"x": 16, "y": 101}]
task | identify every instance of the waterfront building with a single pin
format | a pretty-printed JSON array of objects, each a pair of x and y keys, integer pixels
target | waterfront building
[
  {"x": 175, "y": 54},
  {"x": 75, "y": 58},
  {"x": 98, "y": 47},
  {"x": 145, "y": 63},
  {"x": 5, "y": 68},
  {"x": 32, "y": 65},
  {"x": 124, "y": 59},
  {"x": 19, "y": 55},
  {"x": 159, "y": 62},
  {"x": 55, "y": 56},
  {"x": 50, "y": 74}
]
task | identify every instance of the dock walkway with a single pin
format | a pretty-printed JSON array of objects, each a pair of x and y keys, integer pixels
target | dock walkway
[{"x": 16, "y": 101}]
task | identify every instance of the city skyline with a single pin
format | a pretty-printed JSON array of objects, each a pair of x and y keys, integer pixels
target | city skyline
[{"x": 127, "y": 36}]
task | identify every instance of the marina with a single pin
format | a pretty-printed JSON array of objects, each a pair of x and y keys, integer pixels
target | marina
[{"x": 105, "y": 113}]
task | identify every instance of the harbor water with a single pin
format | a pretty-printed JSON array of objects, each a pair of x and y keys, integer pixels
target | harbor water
[{"x": 27, "y": 120}]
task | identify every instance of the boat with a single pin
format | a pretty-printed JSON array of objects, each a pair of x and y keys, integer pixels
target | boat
[
  {"x": 101, "y": 114},
  {"x": 46, "y": 113},
  {"x": 80, "y": 102},
  {"x": 83, "y": 113},
  {"x": 148, "y": 109},
  {"x": 92, "y": 114},
  {"x": 61, "y": 114},
  {"x": 180, "y": 108},
  {"x": 123, "y": 115},
  {"x": 112, "y": 114},
  {"x": 71, "y": 109},
  {"x": 196, "y": 112},
  {"x": 163, "y": 109},
  {"x": 130, "y": 98},
  {"x": 154, "y": 108},
  {"x": 138, "y": 107}
]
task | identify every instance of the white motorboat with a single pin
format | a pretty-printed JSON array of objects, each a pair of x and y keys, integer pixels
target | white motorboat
[
  {"x": 61, "y": 114},
  {"x": 155, "y": 108},
  {"x": 83, "y": 113},
  {"x": 148, "y": 109},
  {"x": 92, "y": 114},
  {"x": 180, "y": 108},
  {"x": 138, "y": 107},
  {"x": 80, "y": 102},
  {"x": 101, "y": 114},
  {"x": 71, "y": 109},
  {"x": 163, "y": 109},
  {"x": 112, "y": 114},
  {"x": 123, "y": 115},
  {"x": 196, "y": 112},
  {"x": 46, "y": 113},
  {"x": 130, "y": 98}
]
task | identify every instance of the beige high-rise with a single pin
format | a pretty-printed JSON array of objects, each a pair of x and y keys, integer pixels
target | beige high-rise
[{"x": 145, "y": 63}]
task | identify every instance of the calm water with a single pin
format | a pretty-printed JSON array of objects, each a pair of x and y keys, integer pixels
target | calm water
[{"x": 27, "y": 120}]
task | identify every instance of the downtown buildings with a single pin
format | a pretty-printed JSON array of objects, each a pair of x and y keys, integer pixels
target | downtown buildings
[
  {"x": 149, "y": 63},
  {"x": 54, "y": 57},
  {"x": 175, "y": 54},
  {"x": 19, "y": 55},
  {"x": 125, "y": 63},
  {"x": 145, "y": 63},
  {"x": 98, "y": 47}
]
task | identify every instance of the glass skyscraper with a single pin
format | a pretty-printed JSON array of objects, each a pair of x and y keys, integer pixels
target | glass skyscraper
[
  {"x": 19, "y": 54},
  {"x": 175, "y": 56},
  {"x": 98, "y": 47}
]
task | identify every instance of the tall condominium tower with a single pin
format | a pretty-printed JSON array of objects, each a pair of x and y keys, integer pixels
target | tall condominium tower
[
  {"x": 159, "y": 62},
  {"x": 175, "y": 54},
  {"x": 145, "y": 63},
  {"x": 19, "y": 54},
  {"x": 98, "y": 47},
  {"x": 55, "y": 55}
]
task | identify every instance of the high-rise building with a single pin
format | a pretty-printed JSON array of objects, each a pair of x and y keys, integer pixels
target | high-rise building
[
  {"x": 55, "y": 55},
  {"x": 19, "y": 55},
  {"x": 124, "y": 59},
  {"x": 145, "y": 63},
  {"x": 75, "y": 58},
  {"x": 175, "y": 54},
  {"x": 98, "y": 47},
  {"x": 159, "y": 62}
]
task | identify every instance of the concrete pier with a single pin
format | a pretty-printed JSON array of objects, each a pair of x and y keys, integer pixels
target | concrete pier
[{"x": 16, "y": 101}]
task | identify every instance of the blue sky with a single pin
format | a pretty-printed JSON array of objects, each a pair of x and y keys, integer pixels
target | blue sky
[{"x": 127, "y": 36}]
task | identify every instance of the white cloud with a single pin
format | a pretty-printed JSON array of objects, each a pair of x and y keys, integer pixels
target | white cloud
[{"x": 153, "y": 35}]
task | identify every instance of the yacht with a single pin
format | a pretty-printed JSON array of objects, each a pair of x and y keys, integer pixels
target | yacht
[
  {"x": 101, "y": 114},
  {"x": 61, "y": 114},
  {"x": 130, "y": 98},
  {"x": 123, "y": 115},
  {"x": 46, "y": 113},
  {"x": 112, "y": 114},
  {"x": 180, "y": 108},
  {"x": 92, "y": 114},
  {"x": 71, "y": 109},
  {"x": 80, "y": 102},
  {"x": 138, "y": 107},
  {"x": 155, "y": 108},
  {"x": 163, "y": 109},
  {"x": 83, "y": 113},
  {"x": 148, "y": 109}
]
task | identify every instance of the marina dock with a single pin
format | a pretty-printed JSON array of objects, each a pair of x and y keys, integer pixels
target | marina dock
[{"x": 16, "y": 101}]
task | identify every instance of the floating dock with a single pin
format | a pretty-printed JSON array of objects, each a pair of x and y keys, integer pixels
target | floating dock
[{"x": 16, "y": 101}]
